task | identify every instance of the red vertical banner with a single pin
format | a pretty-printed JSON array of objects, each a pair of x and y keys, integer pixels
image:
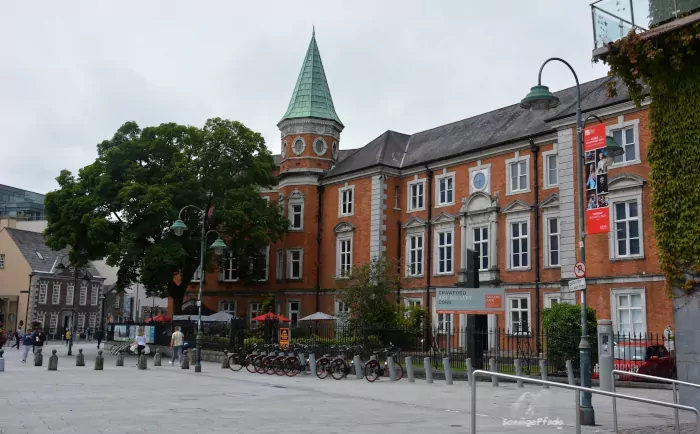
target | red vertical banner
[{"x": 595, "y": 179}]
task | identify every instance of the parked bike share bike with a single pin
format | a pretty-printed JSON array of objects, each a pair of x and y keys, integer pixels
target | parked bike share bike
[
  {"x": 236, "y": 361},
  {"x": 340, "y": 368},
  {"x": 374, "y": 370},
  {"x": 324, "y": 365},
  {"x": 294, "y": 364}
]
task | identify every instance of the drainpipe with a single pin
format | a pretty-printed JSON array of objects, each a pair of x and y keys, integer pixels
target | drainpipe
[
  {"x": 536, "y": 211},
  {"x": 398, "y": 261},
  {"x": 429, "y": 268},
  {"x": 319, "y": 191}
]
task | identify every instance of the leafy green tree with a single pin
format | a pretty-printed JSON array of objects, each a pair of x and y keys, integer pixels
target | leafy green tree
[
  {"x": 562, "y": 333},
  {"x": 368, "y": 293},
  {"x": 121, "y": 206}
]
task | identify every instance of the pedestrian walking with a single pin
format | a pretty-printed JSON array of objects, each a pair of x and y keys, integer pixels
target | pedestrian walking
[
  {"x": 99, "y": 335},
  {"x": 27, "y": 342},
  {"x": 140, "y": 341},
  {"x": 68, "y": 336},
  {"x": 39, "y": 338},
  {"x": 18, "y": 337},
  {"x": 176, "y": 342}
]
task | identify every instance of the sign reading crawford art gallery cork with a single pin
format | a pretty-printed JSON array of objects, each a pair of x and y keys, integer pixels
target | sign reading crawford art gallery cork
[
  {"x": 469, "y": 300},
  {"x": 596, "y": 180}
]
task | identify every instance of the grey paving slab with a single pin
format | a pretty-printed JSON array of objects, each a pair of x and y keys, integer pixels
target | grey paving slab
[{"x": 167, "y": 399}]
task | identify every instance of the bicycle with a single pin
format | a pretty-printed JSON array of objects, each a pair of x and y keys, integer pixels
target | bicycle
[
  {"x": 323, "y": 365},
  {"x": 374, "y": 370},
  {"x": 262, "y": 362},
  {"x": 236, "y": 361},
  {"x": 340, "y": 368},
  {"x": 294, "y": 364}
]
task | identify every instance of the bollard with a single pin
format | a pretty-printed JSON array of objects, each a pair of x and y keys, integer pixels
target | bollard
[
  {"x": 143, "y": 362},
  {"x": 392, "y": 368},
  {"x": 448, "y": 370},
  {"x": 570, "y": 373},
  {"x": 409, "y": 369},
  {"x": 158, "y": 358},
  {"x": 357, "y": 363},
  {"x": 53, "y": 361},
  {"x": 312, "y": 364},
  {"x": 543, "y": 373},
  {"x": 428, "y": 370},
  {"x": 2, "y": 361},
  {"x": 470, "y": 370},
  {"x": 120, "y": 358},
  {"x": 185, "y": 362},
  {"x": 38, "y": 357},
  {"x": 224, "y": 362},
  {"x": 492, "y": 368},
  {"x": 193, "y": 356},
  {"x": 519, "y": 372},
  {"x": 80, "y": 360},
  {"x": 99, "y": 361}
]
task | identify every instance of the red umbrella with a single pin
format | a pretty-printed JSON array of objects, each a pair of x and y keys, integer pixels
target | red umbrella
[
  {"x": 272, "y": 316},
  {"x": 159, "y": 318}
]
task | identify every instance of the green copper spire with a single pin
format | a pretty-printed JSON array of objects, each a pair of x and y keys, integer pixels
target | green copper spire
[{"x": 312, "y": 97}]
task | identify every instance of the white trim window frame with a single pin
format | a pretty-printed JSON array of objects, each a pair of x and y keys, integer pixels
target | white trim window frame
[
  {"x": 267, "y": 264},
  {"x": 445, "y": 189},
  {"x": 442, "y": 322},
  {"x": 344, "y": 248},
  {"x": 70, "y": 293},
  {"x": 629, "y": 310},
  {"x": 626, "y": 134},
  {"x": 56, "y": 293},
  {"x": 518, "y": 173},
  {"x": 444, "y": 251},
  {"x": 552, "y": 241},
  {"x": 43, "y": 292},
  {"x": 92, "y": 321},
  {"x": 413, "y": 301},
  {"x": 229, "y": 268},
  {"x": 518, "y": 243},
  {"x": 279, "y": 270},
  {"x": 253, "y": 310},
  {"x": 294, "y": 311},
  {"x": 83, "y": 294},
  {"x": 53, "y": 323},
  {"x": 342, "y": 311},
  {"x": 228, "y": 306},
  {"x": 519, "y": 314},
  {"x": 295, "y": 263},
  {"x": 94, "y": 295},
  {"x": 480, "y": 243},
  {"x": 346, "y": 201},
  {"x": 298, "y": 150},
  {"x": 551, "y": 299},
  {"x": 415, "y": 195},
  {"x": 415, "y": 253},
  {"x": 81, "y": 321},
  {"x": 296, "y": 213},
  {"x": 550, "y": 169},
  {"x": 627, "y": 232}
]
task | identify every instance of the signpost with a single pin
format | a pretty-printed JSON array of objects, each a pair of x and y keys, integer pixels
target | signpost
[
  {"x": 284, "y": 338},
  {"x": 577, "y": 284},
  {"x": 580, "y": 270},
  {"x": 473, "y": 301}
]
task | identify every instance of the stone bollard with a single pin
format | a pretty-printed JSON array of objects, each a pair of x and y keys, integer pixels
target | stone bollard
[
  {"x": 543, "y": 373},
  {"x": 157, "y": 358},
  {"x": 193, "y": 356},
  {"x": 185, "y": 362},
  {"x": 2, "y": 361},
  {"x": 448, "y": 370},
  {"x": 492, "y": 368},
  {"x": 428, "y": 370},
  {"x": 38, "y": 357},
  {"x": 120, "y": 358},
  {"x": 357, "y": 363},
  {"x": 392, "y": 368},
  {"x": 80, "y": 359},
  {"x": 519, "y": 372},
  {"x": 224, "y": 362},
  {"x": 312, "y": 364},
  {"x": 143, "y": 362},
  {"x": 470, "y": 370},
  {"x": 409, "y": 369},
  {"x": 99, "y": 362},
  {"x": 53, "y": 361},
  {"x": 570, "y": 372}
]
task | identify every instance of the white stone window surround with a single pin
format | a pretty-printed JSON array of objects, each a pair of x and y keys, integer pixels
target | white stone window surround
[
  {"x": 346, "y": 200},
  {"x": 228, "y": 306},
  {"x": 420, "y": 193},
  {"x": 296, "y": 198},
  {"x": 625, "y": 188},
  {"x": 291, "y": 253},
  {"x": 83, "y": 294},
  {"x": 70, "y": 294},
  {"x": 444, "y": 223},
  {"x": 344, "y": 231},
  {"x": 298, "y": 150},
  {"x": 517, "y": 212},
  {"x": 323, "y": 149},
  {"x": 413, "y": 301},
  {"x": 56, "y": 293},
  {"x": 442, "y": 321},
  {"x": 445, "y": 179},
  {"x": 509, "y": 164},
  {"x": 414, "y": 227},
  {"x": 486, "y": 170},
  {"x": 509, "y": 310},
  {"x": 558, "y": 296},
  {"x": 291, "y": 313},
  {"x": 615, "y": 307},
  {"x": 550, "y": 209},
  {"x": 43, "y": 292},
  {"x": 621, "y": 125},
  {"x": 546, "y": 168},
  {"x": 253, "y": 310},
  {"x": 480, "y": 210},
  {"x": 229, "y": 266},
  {"x": 279, "y": 274}
]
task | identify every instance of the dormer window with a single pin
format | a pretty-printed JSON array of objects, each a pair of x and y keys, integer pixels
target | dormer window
[{"x": 39, "y": 255}]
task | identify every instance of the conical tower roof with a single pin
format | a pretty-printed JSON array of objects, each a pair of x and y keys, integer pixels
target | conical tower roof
[{"x": 312, "y": 97}]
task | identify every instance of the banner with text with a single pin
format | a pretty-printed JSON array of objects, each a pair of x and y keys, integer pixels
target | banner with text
[
  {"x": 596, "y": 180},
  {"x": 469, "y": 300}
]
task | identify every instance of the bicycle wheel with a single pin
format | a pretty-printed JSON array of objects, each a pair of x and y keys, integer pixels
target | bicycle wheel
[
  {"x": 259, "y": 364},
  {"x": 399, "y": 370},
  {"x": 250, "y": 364},
  {"x": 279, "y": 365},
  {"x": 269, "y": 365},
  {"x": 338, "y": 368},
  {"x": 322, "y": 366},
  {"x": 234, "y": 362},
  {"x": 292, "y": 366},
  {"x": 372, "y": 371}
]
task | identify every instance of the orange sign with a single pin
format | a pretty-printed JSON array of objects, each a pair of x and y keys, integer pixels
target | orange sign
[
  {"x": 493, "y": 301},
  {"x": 284, "y": 337}
]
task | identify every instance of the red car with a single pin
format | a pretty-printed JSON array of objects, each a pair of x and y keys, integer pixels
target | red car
[{"x": 642, "y": 357}]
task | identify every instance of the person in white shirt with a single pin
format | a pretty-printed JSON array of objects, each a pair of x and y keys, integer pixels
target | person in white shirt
[
  {"x": 176, "y": 342},
  {"x": 140, "y": 341},
  {"x": 602, "y": 163}
]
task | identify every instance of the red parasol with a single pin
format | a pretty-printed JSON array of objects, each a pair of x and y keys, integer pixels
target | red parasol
[
  {"x": 159, "y": 318},
  {"x": 271, "y": 316}
]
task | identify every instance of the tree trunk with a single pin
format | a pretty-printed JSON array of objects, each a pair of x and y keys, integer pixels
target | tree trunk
[{"x": 177, "y": 294}]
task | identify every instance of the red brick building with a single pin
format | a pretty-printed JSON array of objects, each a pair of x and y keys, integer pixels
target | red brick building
[{"x": 502, "y": 183}]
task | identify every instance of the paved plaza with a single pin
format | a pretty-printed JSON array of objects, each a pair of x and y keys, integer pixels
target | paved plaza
[{"x": 168, "y": 399}]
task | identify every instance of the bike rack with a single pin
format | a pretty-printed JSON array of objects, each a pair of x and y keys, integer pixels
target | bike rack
[
  {"x": 578, "y": 390},
  {"x": 651, "y": 377}
]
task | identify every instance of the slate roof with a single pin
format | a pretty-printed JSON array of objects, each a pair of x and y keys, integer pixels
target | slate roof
[
  {"x": 483, "y": 131},
  {"x": 39, "y": 256},
  {"x": 312, "y": 96}
]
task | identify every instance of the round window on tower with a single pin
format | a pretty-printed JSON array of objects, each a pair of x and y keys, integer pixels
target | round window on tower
[
  {"x": 298, "y": 146},
  {"x": 320, "y": 146},
  {"x": 284, "y": 149},
  {"x": 334, "y": 150}
]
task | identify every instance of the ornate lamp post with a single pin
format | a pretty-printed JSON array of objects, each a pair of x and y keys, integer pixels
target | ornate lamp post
[
  {"x": 218, "y": 247},
  {"x": 540, "y": 98}
]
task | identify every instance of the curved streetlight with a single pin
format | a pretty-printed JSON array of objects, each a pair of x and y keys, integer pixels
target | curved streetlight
[
  {"x": 179, "y": 227},
  {"x": 540, "y": 98}
]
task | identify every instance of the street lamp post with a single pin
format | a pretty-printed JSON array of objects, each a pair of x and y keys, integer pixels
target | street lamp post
[
  {"x": 218, "y": 246},
  {"x": 540, "y": 98}
]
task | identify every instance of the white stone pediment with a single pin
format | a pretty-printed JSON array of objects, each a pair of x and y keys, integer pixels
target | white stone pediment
[
  {"x": 625, "y": 181},
  {"x": 516, "y": 206},
  {"x": 343, "y": 227},
  {"x": 444, "y": 218},
  {"x": 415, "y": 223},
  {"x": 551, "y": 201},
  {"x": 296, "y": 194},
  {"x": 478, "y": 202}
]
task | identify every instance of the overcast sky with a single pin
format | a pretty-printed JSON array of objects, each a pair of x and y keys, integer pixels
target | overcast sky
[{"x": 71, "y": 72}]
